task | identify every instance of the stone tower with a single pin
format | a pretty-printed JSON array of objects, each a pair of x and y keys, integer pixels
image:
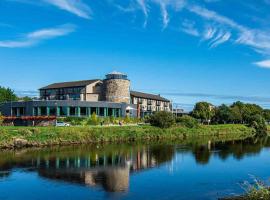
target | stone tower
[{"x": 116, "y": 88}]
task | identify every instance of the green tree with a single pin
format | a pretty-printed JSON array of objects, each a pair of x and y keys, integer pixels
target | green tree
[
  {"x": 6, "y": 94},
  {"x": 258, "y": 123},
  {"x": 250, "y": 110},
  {"x": 203, "y": 111},
  {"x": 26, "y": 98},
  {"x": 222, "y": 114},
  {"x": 237, "y": 112},
  {"x": 266, "y": 114},
  {"x": 162, "y": 119}
]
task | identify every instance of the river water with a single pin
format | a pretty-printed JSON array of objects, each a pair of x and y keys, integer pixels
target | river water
[{"x": 199, "y": 170}]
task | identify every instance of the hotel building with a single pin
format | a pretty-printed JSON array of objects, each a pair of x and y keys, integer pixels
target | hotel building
[{"x": 108, "y": 97}]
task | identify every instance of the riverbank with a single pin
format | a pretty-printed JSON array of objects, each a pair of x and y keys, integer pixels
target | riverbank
[{"x": 18, "y": 137}]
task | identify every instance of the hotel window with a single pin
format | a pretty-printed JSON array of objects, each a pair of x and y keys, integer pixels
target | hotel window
[
  {"x": 72, "y": 111},
  {"x": 43, "y": 111},
  {"x": 83, "y": 111},
  {"x": 63, "y": 111},
  {"x": 101, "y": 111},
  {"x": 110, "y": 111},
  {"x": 93, "y": 110},
  {"x": 52, "y": 111}
]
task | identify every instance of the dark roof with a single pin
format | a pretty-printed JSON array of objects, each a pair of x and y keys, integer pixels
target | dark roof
[
  {"x": 148, "y": 96},
  {"x": 69, "y": 84}
]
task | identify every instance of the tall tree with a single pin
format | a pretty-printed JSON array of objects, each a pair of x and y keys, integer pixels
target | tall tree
[
  {"x": 7, "y": 94},
  {"x": 203, "y": 111},
  {"x": 222, "y": 114}
]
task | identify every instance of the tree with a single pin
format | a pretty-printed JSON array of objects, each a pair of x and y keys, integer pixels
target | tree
[
  {"x": 258, "y": 123},
  {"x": 162, "y": 119},
  {"x": 237, "y": 112},
  {"x": 222, "y": 114},
  {"x": 251, "y": 110},
  {"x": 266, "y": 114},
  {"x": 6, "y": 94},
  {"x": 26, "y": 98},
  {"x": 203, "y": 111}
]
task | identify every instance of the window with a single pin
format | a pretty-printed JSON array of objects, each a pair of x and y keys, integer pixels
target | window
[
  {"x": 83, "y": 111},
  {"x": 101, "y": 111},
  {"x": 43, "y": 111},
  {"x": 63, "y": 111},
  {"x": 52, "y": 111},
  {"x": 72, "y": 111}
]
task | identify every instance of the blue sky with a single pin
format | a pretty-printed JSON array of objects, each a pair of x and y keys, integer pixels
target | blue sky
[{"x": 186, "y": 50}]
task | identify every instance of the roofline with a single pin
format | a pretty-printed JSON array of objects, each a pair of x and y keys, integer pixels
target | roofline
[
  {"x": 163, "y": 98},
  {"x": 44, "y": 88}
]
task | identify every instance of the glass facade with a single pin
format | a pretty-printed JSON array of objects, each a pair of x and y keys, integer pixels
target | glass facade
[{"x": 73, "y": 93}]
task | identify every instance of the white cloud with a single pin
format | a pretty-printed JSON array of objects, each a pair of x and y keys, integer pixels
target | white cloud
[
  {"x": 220, "y": 38},
  {"x": 36, "y": 37},
  {"x": 188, "y": 27},
  {"x": 264, "y": 63},
  {"x": 165, "y": 15},
  {"x": 76, "y": 7},
  {"x": 143, "y": 6},
  {"x": 254, "y": 38}
]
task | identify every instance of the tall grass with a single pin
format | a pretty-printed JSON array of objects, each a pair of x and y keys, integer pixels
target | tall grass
[{"x": 38, "y": 136}]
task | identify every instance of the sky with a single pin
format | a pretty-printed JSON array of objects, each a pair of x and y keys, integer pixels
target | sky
[{"x": 185, "y": 50}]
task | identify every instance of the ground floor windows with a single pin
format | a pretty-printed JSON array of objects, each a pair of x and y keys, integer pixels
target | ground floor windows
[
  {"x": 69, "y": 111},
  {"x": 65, "y": 111},
  {"x": 19, "y": 111}
]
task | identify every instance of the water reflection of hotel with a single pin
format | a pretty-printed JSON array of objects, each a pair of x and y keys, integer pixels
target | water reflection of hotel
[{"x": 109, "y": 171}]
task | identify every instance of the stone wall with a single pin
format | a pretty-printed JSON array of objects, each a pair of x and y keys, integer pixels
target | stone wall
[{"x": 116, "y": 90}]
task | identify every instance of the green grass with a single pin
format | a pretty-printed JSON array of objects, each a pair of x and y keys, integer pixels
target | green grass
[
  {"x": 258, "y": 190},
  {"x": 38, "y": 136}
]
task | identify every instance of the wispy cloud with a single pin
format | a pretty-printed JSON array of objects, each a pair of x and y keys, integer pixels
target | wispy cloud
[
  {"x": 264, "y": 63},
  {"x": 256, "y": 39},
  {"x": 76, "y": 7},
  {"x": 38, "y": 36},
  {"x": 189, "y": 28},
  {"x": 142, "y": 4}
]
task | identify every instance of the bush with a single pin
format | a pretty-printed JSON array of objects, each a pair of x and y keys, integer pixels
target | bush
[
  {"x": 93, "y": 120},
  {"x": 187, "y": 121},
  {"x": 258, "y": 123},
  {"x": 74, "y": 121},
  {"x": 162, "y": 119}
]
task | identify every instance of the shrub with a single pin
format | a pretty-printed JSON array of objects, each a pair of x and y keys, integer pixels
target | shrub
[
  {"x": 187, "y": 121},
  {"x": 73, "y": 120},
  {"x": 93, "y": 119},
  {"x": 162, "y": 119},
  {"x": 258, "y": 123}
]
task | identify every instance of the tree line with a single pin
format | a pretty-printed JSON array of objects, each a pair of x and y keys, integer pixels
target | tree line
[
  {"x": 237, "y": 113},
  {"x": 7, "y": 94}
]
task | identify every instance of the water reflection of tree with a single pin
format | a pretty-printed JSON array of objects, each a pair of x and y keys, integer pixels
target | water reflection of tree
[
  {"x": 162, "y": 154},
  {"x": 237, "y": 149}
]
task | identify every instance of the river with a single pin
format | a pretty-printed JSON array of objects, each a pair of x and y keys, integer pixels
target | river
[{"x": 167, "y": 170}]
